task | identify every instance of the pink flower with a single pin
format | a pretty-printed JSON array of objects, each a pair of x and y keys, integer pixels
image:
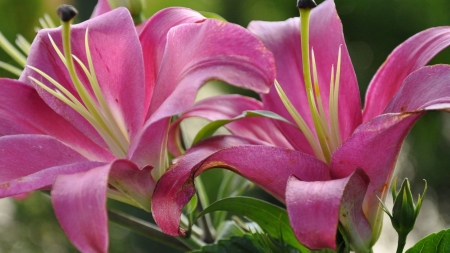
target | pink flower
[
  {"x": 94, "y": 125},
  {"x": 329, "y": 168}
]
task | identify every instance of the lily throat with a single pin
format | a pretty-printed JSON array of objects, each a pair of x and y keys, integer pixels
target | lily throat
[
  {"x": 91, "y": 103},
  {"x": 324, "y": 136}
]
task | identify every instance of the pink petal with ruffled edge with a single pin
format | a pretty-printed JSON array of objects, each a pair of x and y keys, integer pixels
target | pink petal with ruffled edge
[
  {"x": 199, "y": 52},
  {"x": 425, "y": 89},
  {"x": 194, "y": 54},
  {"x": 228, "y": 107},
  {"x": 315, "y": 209},
  {"x": 326, "y": 36},
  {"x": 175, "y": 188},
  {"x": 375, "y": 145},
  {"x": 118, "y": 63},
  {"x": 79, "y": 201},
  {"x": 406, "y": 58},
  {"x": 23, "y": 112},
  {"x": 153, "y": 37}
]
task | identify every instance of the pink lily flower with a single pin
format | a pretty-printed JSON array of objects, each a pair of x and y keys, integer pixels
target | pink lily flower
[
  {"x": 88, "y": 118},
  {"x": 332, "y": 162}
]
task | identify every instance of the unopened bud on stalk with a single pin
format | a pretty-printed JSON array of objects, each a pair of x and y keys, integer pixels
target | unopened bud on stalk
[{"x": 404, "y": 212}]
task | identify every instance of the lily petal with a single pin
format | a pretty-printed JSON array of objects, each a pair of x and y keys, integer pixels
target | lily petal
[
  {"x": 112, "y": 39},
  {"x": 153, "y": 37},
  {"x": 79, "y": 201},
  {"x": 315, "y": 209},
  {"x": 228, "y": 107},
  {"x": 326, "y": 37},
  {"x": 194, "y": 54},
  {"x": 409, "y": 56},
  {"x": 425, "y": 89},
  {"x": 100, "y": 8},
  {"x": 238, "y": 154},
  {"x": 22, "y": 155},
  {"x": 136, "y": 183},
  {"x": 205, "y": 54},
  {"x": 374, "y": 147},
  {"x": 42, "y": 179},
  {"x": 23, "y": 112}
]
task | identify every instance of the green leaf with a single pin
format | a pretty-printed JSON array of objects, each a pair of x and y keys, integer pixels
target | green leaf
[
  {"x": 232, "y": 185},
  {"x": 249, "y": 243},
  {"x": 434, "y": 243},
  {"x": 212, "y": 127},
  {"x": 272, "y": 219},
  {"x": 233, "y": 245}
]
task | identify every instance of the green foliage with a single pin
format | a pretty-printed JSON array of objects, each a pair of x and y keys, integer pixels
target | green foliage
[
  {"x": 250, "y": 243},
  {"x": 434, "y": 243},
  {"x": 272, "y": 219},
  {"x": 212, "y": 127}
]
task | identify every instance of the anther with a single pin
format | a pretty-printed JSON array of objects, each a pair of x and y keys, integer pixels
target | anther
[
  {"x": 306, "y": 4},
  {"x": 66, "y": 12}
]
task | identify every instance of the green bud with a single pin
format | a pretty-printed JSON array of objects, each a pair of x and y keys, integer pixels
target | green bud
[{"x": 404, "y": 212}]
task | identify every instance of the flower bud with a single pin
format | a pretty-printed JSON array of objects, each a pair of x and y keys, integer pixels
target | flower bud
[{"x": 404, "y": 212}]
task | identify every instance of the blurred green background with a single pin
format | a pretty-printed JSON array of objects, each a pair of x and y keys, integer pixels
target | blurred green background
[{"x": 372, "y": 30}]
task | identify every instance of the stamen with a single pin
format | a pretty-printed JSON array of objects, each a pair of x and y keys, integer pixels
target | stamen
[
  {"x": 12, "y": 51},
  {"x": 300, "y": 122},
  {"x": 83, "y": 112},
  {"x": 67, "y": 14},
  {"x": 118, "y": 129},
  {"x": 49, "y": 21},
  {"x": 334, "y": 140},
  {"x": 61, "y": 56},
  {"x": 101, "y": 118},
  {"x": 10, "y": 68},
  {"x": 323, "y": 119},
  {"x": 23, "y": 44},
  {"x": 335, "y": 113},
  {"x": 43, "y": 23}
]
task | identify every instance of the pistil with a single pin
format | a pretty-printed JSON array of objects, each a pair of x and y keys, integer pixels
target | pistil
[
  {"x": 327, "y": 137},
  {"x": 99, "y": 116}
]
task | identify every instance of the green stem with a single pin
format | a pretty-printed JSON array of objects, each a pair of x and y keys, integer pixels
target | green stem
[
  {"x": 401, "y": 243},
  {"x": 153, "y": 232}
]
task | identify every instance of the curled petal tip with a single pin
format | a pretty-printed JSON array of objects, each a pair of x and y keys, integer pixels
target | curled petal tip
[
  {"x": 306, "y": 4},
  {"x": 66, "y": 12}
]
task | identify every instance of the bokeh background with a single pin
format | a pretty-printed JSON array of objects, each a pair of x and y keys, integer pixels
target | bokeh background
[{"x": 372, "y": 30}]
